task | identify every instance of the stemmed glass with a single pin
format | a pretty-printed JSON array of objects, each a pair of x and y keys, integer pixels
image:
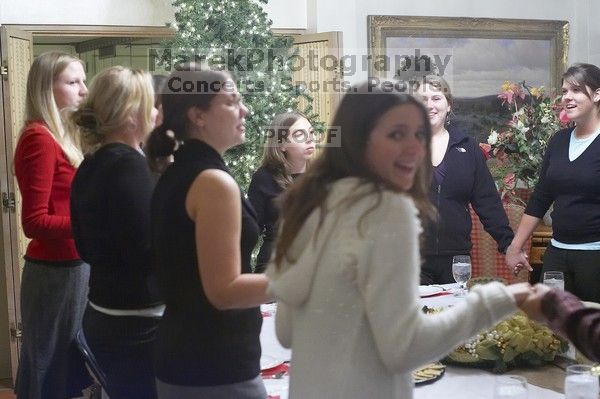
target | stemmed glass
[
  {"x": 461, "y": 270},
  {"x": 511, "y": 387}
]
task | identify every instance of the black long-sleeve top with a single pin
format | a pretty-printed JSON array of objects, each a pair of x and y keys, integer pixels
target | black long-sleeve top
[
  {"x": 110, "y": 215},
  {"x": 574, "y": 186},
  {"x": 262, "y": 192},
  {"x": 466, "y": 180}
]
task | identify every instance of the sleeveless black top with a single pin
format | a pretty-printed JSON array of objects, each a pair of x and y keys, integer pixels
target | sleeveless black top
[{"x": 197, "y": 344}]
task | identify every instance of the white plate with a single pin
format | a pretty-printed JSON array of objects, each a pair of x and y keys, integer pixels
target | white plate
[
  {"x": 268, "y": 362},
  {"x": 429, "y": 290}
]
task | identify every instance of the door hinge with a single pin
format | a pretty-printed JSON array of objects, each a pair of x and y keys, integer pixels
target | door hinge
[
  {"x": 8, "y": 202},
  {"x": 4, "y": 70},
  {"x": 17, "y": 332}
]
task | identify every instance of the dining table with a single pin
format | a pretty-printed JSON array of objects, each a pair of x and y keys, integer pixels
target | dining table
[{"x": 458, "y": 382}]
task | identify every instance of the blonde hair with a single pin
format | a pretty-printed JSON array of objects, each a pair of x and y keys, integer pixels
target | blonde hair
[
  {"x": 40, "y": 103},
  {"x": 114, "y": 96},
  {"x": 274, "y": 159}
]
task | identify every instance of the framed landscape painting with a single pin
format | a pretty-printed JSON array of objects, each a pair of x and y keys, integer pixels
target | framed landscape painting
[{"x": 475, "y": 55}]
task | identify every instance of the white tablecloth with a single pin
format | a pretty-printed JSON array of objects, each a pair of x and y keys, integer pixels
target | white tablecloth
[
  {"x": 457, "y": 383},
  {"x": 468, "y": 383},
  {"x": 272, "y": 349}
]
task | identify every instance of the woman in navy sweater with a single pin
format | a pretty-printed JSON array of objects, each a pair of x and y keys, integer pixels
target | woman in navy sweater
[
  {"x": 461, "y": 177},
  {"x": 570, "y": 178},
  {"x": 288, "y": 147}
]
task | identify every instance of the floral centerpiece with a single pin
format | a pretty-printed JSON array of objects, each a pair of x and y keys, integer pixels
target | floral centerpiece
[
  {"x": 516, "y": 341},
  {"x": 515, "y": 150}
]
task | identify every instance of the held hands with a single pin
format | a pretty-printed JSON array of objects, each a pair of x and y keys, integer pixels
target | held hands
[
  {"x": 517, "y": 259},
  {"x": 532, "y": 305},
  {"x": 529, "y": 299},
  {"x": 521, "y": 292}
]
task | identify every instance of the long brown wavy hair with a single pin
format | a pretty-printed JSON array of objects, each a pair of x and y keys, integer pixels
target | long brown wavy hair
[
  {"x": 356, "y": 116},
  {"x": 274, "y": 159}
]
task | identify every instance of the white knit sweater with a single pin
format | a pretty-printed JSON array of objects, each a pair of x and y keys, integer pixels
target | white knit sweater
[{"x": 349, "y": 306}]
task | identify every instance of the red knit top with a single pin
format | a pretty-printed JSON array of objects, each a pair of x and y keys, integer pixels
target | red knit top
[{"x": 44, "y": 175}]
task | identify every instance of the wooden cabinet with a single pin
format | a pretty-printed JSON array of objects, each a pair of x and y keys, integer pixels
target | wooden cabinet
[{"x": 539, "y": 241}]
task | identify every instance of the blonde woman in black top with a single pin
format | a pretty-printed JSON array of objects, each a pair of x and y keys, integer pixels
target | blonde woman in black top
[
  {"x": 110, "y": 211},
  {"x": 289, "y": 145}
]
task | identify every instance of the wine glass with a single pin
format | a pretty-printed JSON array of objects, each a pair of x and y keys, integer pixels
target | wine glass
[
  {"x": 461, "y": 270},
  {"x": 511, "y": 386}
]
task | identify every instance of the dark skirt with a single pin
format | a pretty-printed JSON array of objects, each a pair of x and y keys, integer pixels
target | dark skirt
[
  {"x": 53, "y": 299},
  {"x": 123, "y": 347}
]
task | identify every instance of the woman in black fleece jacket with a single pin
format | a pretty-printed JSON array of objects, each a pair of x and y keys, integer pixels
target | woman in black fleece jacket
[
  {"x": 570, "y": 177},
  {"x": 461, "y": 177}
]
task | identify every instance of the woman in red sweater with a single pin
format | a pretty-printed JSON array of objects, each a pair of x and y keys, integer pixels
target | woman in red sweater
[{"x": 54, "y": 281}]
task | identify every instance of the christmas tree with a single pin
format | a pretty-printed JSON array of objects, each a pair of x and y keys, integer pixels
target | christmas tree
[{"x": 235, "y": 35}]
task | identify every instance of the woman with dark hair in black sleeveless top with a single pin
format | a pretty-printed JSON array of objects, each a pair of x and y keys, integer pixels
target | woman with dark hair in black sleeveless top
[{"x": 203, "y": 233}]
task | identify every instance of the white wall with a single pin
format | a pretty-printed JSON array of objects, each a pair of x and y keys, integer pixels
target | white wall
[
  {"x": 87, "y": 12},
  {"x": 286, "y": 14},
  {"x": 594, "y": 32},
  {"x": 350, "y": 17}
]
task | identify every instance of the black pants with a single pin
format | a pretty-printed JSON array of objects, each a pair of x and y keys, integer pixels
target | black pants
[
  {"x": 580, "y": 268},
  {"x": 437, "y": 269},
  {"x": 123, "y": 347}
]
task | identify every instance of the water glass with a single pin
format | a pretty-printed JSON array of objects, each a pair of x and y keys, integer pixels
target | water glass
[
  {"x": 554, "y": 280},
  {"x": 511, "y": 387},
  {"x": 580, "y": 383},
  {"x": 461, "y": 271}
]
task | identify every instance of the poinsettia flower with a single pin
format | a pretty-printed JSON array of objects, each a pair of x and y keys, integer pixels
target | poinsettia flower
[
  {"x": 562, "y": 116},
  {"x": 506, "y": 96},
  {"x": 517, "y": 91}
]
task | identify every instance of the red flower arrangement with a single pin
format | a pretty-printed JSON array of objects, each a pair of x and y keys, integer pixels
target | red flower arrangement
[{"x": 515, "y": 150}]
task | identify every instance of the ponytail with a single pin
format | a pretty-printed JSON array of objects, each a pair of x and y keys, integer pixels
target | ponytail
[
  {"x": 161, "y": 143},
  {"x": 85, "y": 122}
]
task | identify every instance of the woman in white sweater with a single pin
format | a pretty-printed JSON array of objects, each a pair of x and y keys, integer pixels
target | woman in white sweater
[{"x": 346, "y": 265}]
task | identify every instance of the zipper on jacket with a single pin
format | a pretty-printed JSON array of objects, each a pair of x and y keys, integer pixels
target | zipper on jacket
[{"x": 437, "y": 232}]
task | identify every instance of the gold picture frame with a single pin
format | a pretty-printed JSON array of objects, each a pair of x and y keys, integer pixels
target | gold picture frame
[
  {"x": 476, "y": 56},
  {"x": 556, "y": 33}
]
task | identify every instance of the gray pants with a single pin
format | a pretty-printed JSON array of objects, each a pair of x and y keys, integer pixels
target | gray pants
[
  {"x": 53, "y": 298},
  {"x": 250, "y": 389}
]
